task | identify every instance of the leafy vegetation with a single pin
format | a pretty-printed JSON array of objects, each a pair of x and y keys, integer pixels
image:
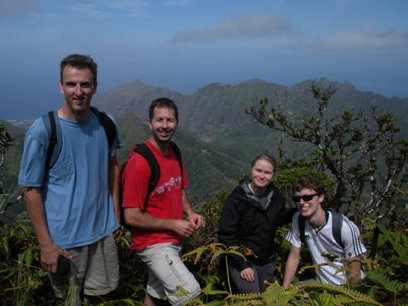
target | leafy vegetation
[
  {"x": 359, "y": 152},
  {"x": 23, "y": 282},
  {"x": 357, "y": 155}
]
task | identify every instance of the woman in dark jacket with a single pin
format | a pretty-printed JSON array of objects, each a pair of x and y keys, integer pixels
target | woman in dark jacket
[{"x": 249, "y": 218}]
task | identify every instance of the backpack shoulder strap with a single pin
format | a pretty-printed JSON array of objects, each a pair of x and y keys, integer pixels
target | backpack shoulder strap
[
  {"x": 107, "y": 123},
  {"x": 177, "y": 151},
  {"x": 301, "y": 225},
  {"x": 52, "y": 125},
  {"x": 147, "y": 154},
  {"x": 144, "y": 150},
  {"x": 337, "y": 224}
]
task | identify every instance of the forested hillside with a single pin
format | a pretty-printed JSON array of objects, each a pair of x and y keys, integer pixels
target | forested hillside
[
  {"x": 210, "y": 167},
  {"x": 218, "y": 109},
  {"x": 357, "y": 151},
  {"x": 222, "y": 138},
  {"x": 217, "y": 137}
]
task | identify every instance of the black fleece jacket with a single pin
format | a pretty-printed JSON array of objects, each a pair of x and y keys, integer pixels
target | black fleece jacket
[{"x": 244, "y": 222}]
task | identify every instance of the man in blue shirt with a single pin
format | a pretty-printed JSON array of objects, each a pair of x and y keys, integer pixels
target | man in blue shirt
[{"x": 74, "y": 204}]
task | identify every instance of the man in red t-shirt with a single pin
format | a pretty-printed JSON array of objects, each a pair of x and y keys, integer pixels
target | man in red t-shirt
[{"x": 157, "y": 223}]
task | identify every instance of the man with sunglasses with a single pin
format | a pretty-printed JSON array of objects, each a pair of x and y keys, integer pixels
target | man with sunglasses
[{"x": 340, "y": 264}]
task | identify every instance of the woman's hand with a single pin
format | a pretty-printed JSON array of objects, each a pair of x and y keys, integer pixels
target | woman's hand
[{"x": 248, "y": 275}]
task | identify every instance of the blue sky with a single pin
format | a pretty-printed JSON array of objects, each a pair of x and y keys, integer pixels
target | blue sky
[{"x": 186, "y": 44}]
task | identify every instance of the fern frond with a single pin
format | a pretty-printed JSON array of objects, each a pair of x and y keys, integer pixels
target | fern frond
[
  {"x": 246, "y": 297},
  {"x": 208, "y": 290},
  {"x": 357, "y": 296},
  {"x": 329, "y": 300},
  {"x": 315, "y": 266},
  {"x": 196, "y": 253},
  {"x": 276, "y": 295},
  {"x": 393, "y": 286},
  {"x": 233, "y": 252},
  {"x": 216, "y": 254},
  {"x": 401, "y": 246},
  {"x": 216, "y": 246}
]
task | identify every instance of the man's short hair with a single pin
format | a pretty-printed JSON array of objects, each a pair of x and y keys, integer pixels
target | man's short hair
[
  {"x": 309, "y": 183},
  {"x": 163, "y": 102},
  {"x": 80, "y": 61}
]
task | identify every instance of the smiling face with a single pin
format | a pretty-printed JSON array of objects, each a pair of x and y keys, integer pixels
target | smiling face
[
  {"x": 78, "y": 87},
  {"x": 163, "y": 124},
  {"x": 308, "y": 207},
  {"x": 262, "y": 173}
]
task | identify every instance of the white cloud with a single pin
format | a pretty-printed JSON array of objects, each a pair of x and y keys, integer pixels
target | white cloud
[
  {"x": 124, "y": 7},
  {"x": 248, "y": 26},
  {"x": 177, "y": 2},
  {"x": 105, "y": 8},
  {"x": 366, "y": 37}
]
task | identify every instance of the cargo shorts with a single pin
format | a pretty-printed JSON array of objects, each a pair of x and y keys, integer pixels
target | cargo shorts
[
  {"x": 94, "y": 270},
  {"x": 168, "y": 274}
]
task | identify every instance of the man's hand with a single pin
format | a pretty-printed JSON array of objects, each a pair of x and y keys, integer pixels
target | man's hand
[
  {"x": 49, "y": 257},
  {"x": 248, "y": 275},
  {"x": 118, "y": 232},
  {"x": 196, "y": 220},
  {"x": 183, "y": 228}
]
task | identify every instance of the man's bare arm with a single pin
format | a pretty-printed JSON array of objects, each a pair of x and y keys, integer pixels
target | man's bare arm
[
  {"x": 354, "y": 268},
  {"x": 114, "y": 184},
  {"x": 49, "y": 251},
  {"x": 137, "y": 218},
  {"x": 291, "y": 266},
  {"x": 196, "y": 219}
]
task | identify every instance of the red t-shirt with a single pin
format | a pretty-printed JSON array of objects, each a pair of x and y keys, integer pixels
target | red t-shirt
[{"x": 164, "y": 202}]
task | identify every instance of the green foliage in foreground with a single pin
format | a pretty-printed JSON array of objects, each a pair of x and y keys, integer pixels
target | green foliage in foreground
[
  {"x": 23, "y": 282},
  {"x": 368, "y": 172},
  {"x": 360, "y": 151}
]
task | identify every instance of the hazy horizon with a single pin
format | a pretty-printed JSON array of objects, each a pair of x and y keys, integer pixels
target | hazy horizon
[{"x": 184, "y": 45}]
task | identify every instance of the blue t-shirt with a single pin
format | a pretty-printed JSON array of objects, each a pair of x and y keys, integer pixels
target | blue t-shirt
[{"x": 78, "y": 205}]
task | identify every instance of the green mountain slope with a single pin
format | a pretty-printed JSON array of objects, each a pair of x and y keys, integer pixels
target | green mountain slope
[
  {"x": 11, "y": 165},
  {"x": 209, "y": 167},
  {"x": 218, "y": 139},
  {"x": 217, "y": 109}
]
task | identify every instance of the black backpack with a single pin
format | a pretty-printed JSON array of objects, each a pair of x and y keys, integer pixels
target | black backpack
[
  {"x": 148, "y": 155},
  {"x": 337, "y": 224},
  {"x": 53, "y": 127}
]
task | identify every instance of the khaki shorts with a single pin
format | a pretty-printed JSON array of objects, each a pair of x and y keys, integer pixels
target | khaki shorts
[
  {"x": 167, "y": 272},
  {"x": 94, "y": 268}
]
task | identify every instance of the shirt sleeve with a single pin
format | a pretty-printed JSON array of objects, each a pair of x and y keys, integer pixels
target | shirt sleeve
[
  {"x": 229, "y": 225},
  {"x": 293, "y": 236},
  {"x": 350, "y": 235},
  {"x": 229, "y": 228},
  {"x": 32, "y": 166}
]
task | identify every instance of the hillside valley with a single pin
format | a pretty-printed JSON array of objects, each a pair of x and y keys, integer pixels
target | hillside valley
[
  {"x": 218, "y": 139},
  {"x": 217, "y": 109}
]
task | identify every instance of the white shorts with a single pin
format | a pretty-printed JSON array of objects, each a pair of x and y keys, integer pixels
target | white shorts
[
  {"x": 94, "y": 268},
  {"x": 167, "y": 273}
]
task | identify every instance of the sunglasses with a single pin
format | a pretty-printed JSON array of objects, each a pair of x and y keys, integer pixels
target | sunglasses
[{"x": 306, "y": 197}]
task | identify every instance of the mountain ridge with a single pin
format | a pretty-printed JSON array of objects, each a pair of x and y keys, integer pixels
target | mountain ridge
[
  {"x": 216, "y": 108},
  {"x": 217, "y": 138}
]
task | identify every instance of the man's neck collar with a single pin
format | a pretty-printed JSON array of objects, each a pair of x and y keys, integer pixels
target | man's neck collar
[
  {"x": 74, "y": 117},
  {"x": 162, "y": 147},
  {"x": 319, "y": 219}
]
